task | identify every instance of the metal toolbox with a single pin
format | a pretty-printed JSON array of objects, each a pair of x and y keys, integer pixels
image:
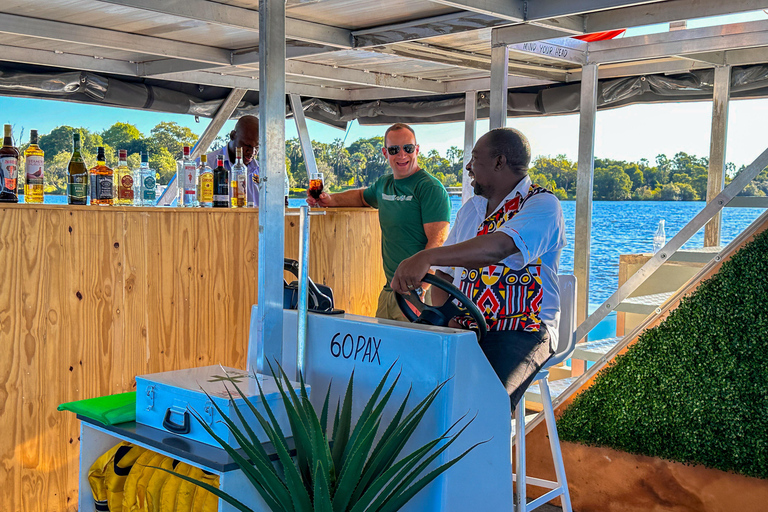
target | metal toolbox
[{"x": 164, "y": 401}]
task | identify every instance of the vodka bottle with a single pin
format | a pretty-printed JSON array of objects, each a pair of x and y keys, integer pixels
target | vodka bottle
[
  {"x": 34, "y": 164},
  {"x": 660, "y": 238},
  {"x": 287, "y": 189},
  {"x": 123, "y": 180},
  {"x": 9, "y": 169},
  {"x": 187, "y": 180},
  {"x": 220, "y": 184},
  {"x": 77, "y": 175},
  {"x": 204, "y": 183},
  {"x": 237, "y": 181},
  {"x": 145, "y": 184}
]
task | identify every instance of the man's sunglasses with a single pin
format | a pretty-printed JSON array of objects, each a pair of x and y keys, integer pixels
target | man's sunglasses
[{"x": 408, "y": 148}]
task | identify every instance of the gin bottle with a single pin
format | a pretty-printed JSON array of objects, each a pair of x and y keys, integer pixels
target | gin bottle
[
  {"x": 145, "y": 184},
  {"x": 187, "y": 180},
  {"x": 204, "y": 183}
]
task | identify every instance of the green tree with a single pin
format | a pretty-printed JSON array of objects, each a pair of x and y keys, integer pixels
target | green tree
[
  {"x": 669, "y": 192},
  {"x": 612, "y": 184},
  {"x": 123, "y": 136},
  {"x": 687, "y": 192},
  {"x": 164, "y": 165},
  {"x": 172, "y": 137}
]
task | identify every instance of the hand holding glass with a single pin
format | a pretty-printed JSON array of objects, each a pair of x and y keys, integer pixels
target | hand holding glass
[{"x": 316, "y": 185}]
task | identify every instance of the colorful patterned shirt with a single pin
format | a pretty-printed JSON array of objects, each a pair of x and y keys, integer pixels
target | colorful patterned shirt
[{"x": 519, "y": 293}]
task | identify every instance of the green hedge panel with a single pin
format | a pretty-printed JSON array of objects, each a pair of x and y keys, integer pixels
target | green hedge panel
[{"x": 695, "y": 388}]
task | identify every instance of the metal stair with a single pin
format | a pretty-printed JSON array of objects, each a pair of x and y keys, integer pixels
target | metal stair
[
  {"x": 594, "y": 350},
  {"x": 555, "y": 388}
]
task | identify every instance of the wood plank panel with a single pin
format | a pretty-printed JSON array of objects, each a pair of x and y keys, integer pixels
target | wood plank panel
[{"x": 94, "y": 296}]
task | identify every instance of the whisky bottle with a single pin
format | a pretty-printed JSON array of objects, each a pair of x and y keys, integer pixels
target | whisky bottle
[
  {"x": 187, "y": 180},
  {"x": 77, "y": 179},
  {"x": 123, "y": 180},
  {"x": 101, "y": 179},
  {"x": 204, "y": 183},
  {"x": 220, "y": 184},
  {"x": 9, "y": 169},
  {"x": 34, "y": 165},
  {"x": 237, "y": 181},
  {"x": 145, "y": 183}
]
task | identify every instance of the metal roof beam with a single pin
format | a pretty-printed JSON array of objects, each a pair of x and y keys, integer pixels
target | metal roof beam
[
  {"x": 539, "y": 10},
  {"x": 671, "y": 10},
  {"x": 66, "y": 60},
  {"x": 240, "y": 18},
  {"x": 512, "y": 10},
  {"x": 102, "y": 38},
  {"x": 681, "y": 43},
  {"x": 355, "y": 76}
]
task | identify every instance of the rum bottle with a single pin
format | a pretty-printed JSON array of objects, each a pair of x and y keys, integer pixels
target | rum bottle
[
  {"x": 123, "y": 180},
  {"x": 187, "y": 180},
  {"x": 237, "y": 181},
  {"x": 77, "y": 175},
  {"x": 220, "y": 184},
  {"x": 204, "y": 183},
  {"x": 34, "y": 165},
  {"x": 145, "y": 183},
  {"x": 102, "y": 179},
  {"x": 9, "y": 169}
]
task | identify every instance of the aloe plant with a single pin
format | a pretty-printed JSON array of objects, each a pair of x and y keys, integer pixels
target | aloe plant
[{"x": 348, "y": 471}]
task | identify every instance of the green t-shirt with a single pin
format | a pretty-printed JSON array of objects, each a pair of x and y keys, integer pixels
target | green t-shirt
[{"x": 405, "y": 205}]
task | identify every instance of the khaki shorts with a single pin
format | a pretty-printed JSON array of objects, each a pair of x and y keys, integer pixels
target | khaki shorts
[{"x": 387, "y": 307}]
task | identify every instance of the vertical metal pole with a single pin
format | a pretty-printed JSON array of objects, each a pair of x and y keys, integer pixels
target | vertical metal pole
[
  {"x": 520, "y": 480},
  {"x": 584, "y": 184},
  {"x": 306, "y": 142},
  {"x": 499, "y": 77},
  {"x": 303, "y": 278},
  {"x": 272, "y": 164},
  {"x": 470, "y": 123},
  {"x": 717, "y": 142}
]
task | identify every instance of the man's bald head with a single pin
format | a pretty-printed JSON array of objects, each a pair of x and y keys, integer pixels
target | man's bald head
[{"x": 246, "y": 136}]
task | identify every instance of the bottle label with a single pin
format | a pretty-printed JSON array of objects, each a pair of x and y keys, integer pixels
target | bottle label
[
  {"x": 188, "y": 175},
  {"x": 125, "y": 187},
  {"x": 77, "y": 188},
  {"x": 206, "y": 188},
  {"x": 9, "y": 168},
  {"x": 237, "y": 188},
  {"x": 101, "y": 187},
  {"x": 148, "y": 188},
  {"x": 35, "y": 165},
  {"x": 221, "y": 190}
]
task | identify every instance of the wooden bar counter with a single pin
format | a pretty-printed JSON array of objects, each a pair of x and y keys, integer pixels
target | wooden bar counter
[{"x": 93, "y": 296}]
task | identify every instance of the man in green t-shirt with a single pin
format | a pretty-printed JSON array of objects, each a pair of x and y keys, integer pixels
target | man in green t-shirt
[{"x": 414, "y": 209}]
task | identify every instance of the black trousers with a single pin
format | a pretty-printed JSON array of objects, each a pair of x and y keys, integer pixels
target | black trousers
[{"x": 516, "y": 357}]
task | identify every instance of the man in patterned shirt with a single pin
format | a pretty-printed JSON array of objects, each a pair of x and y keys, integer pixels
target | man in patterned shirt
[{"x": 503, "y": 253}]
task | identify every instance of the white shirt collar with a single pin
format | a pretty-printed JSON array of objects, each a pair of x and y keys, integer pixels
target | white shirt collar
[{"x": 521, "y": 188}]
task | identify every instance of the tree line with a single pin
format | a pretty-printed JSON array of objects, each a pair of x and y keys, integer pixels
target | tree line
[{"x": 682, "y": 177}]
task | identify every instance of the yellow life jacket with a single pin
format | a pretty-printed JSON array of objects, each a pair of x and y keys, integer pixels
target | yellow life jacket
[
  {"x": 135, "y": 494},
  {"x": 156, "y": 482},
  {"x": 178, "y": 495},
  {"x": 108, "y": 473}
]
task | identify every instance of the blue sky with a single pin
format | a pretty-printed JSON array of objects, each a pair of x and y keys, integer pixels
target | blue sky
[{"x": 628, "y": 133}]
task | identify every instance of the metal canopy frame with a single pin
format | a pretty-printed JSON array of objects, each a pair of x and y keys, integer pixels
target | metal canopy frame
[{"x": 367, "y": 50}]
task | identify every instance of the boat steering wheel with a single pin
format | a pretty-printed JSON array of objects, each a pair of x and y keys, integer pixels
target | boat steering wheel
[{"x": 441, "y": 315}]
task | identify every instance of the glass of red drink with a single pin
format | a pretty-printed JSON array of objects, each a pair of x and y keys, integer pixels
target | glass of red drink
[{"x": 316, "y": 185}]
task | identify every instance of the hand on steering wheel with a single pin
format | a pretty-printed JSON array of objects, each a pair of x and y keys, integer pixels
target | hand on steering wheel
[{"x": 441, "y": 315}]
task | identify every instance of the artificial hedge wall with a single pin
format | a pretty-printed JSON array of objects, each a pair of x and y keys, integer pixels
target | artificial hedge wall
[{"x": 695, "y": 388}]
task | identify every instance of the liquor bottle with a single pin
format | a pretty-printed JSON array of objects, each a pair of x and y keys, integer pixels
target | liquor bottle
[
  {"x": 187, "y": 180},
  {"x": 220, "y": 184},
  {"x": 77, "y": 179},
  {"x": 102, "y": 179},
  {"x": 287, "y": 189},
  {"x": 237, "y": 181},
  {"x": 204, "y": 183},
  {"x": 145, "y": 183},
  {"x": 9, "y": 169},
  {"x": 34, "y": 164},
  {"x": 123, "y": 180}
]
